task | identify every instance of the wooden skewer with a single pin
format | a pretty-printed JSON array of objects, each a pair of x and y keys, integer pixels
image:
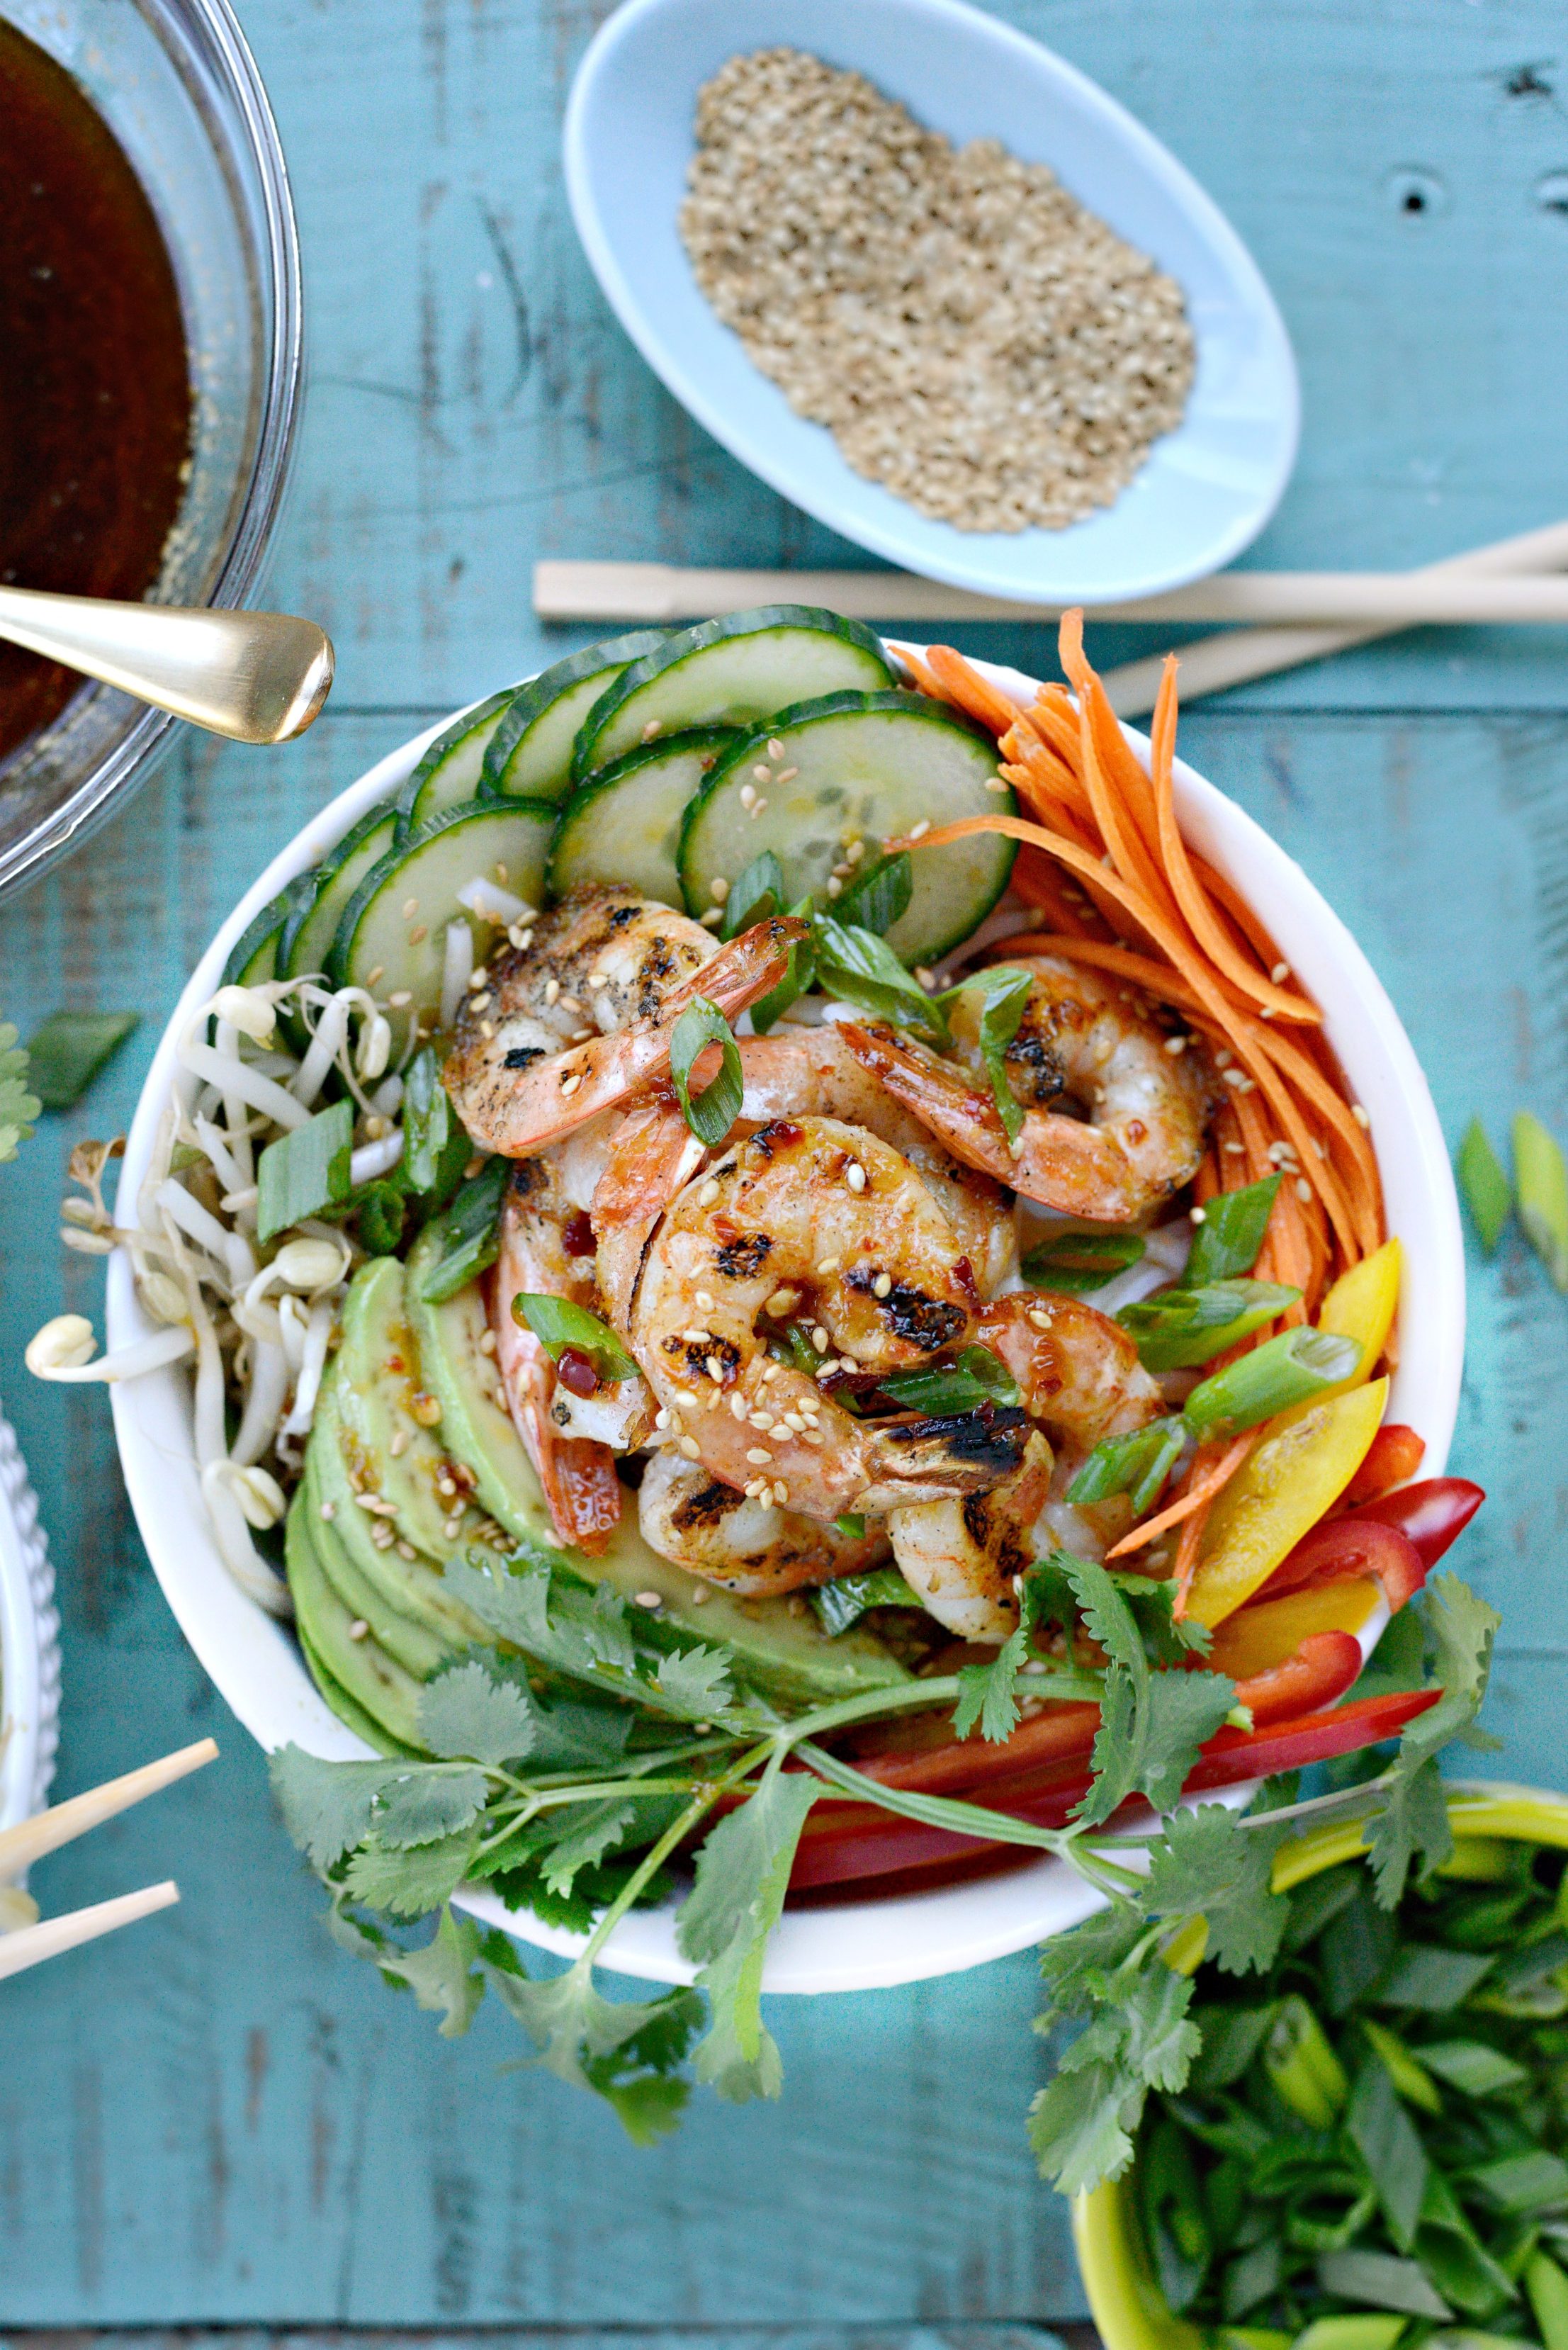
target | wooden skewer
[
  {"x": 1371, "y": 600},
  {"x": 30, "y": 1945},
  {"x": 30, "y": 1839}
]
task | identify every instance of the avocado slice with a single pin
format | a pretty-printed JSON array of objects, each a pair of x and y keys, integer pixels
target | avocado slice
[
  {"x": 375, "y": 1682},
  {"x": 778, "y": 1653},
  {"x": 352, "y": 1716},
  {"x": 413, "y": 1587},
  {"x": 412, "y": 1645},
  {"x": 377, "y": 1395}
]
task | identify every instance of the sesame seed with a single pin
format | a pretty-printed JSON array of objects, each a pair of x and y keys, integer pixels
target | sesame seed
[
  {"x": 329, "y": 1511},
  {"x": 1175, "y": 1046},
  {"x": 854, "y": 1176},
  {"x": 792, "y": 1419},
  {"x": 883, "y": 1285},
  {"x": 819, "y": 1338},
  {"x": 757, "y": 807},
  {"x": 759, "y": 1459},
  {"x": 918, "y": 831},
  {"x": 705, "y": 1301},
  {"x": 764, "y": 1420},
  {"x": 377, "y": 973},
  {"x": 597, "y": 979},
  {"x": 854, "y": 851},
  {"x": 688, "y": 1446},
  {"x": 829, "y": 1264},
  {"x": 761, "y": 775},
  {"x": 1303, "y": 1189},
  {"x": 1235, "y": 1149},
  {"x": 697, "y": 1337},
  {"x": 701, "y": 1596},
  {"x": 714, "y": 1367},
  {"x": 654, "y": 728},
  {"x": 787, "y": 775},
  {"x": 1321, "y": 1147},
  {"x": 406, "y": 1550},
  {"x": 399, "y": 1443},
  {"x": 994, "y": 783},
  {"x": 770, "y": 1374},
  {"x": 569, "y": 1084},
  {"x": 418, "y": 934},
  {"x": 649, "y": 1599},
  {"x": 776, "y": 748},
  {"x": 737, "y": 1406},
  {"x": 713, "y": 918},
  {"x": 748, "y": 794},
  {"x": 487, "y": 1028},
  {"x": 1265, "y": 1010},
  {"x": 811, "y": 1435},
  {"x": 487, "y": 1342},
  {"x": 1282, "y": 971},
  {"x": 398, "y": 998},
  {"x": 1359, "y": 1115},
  {"x": 686, "y": 1395},
  {"x": 717, "y": 888},
  {"x": 381, "y": 1535},
  {"x": 522, "y": 941},
  {"x": 1200, "y": 1215},
  {"x": 480, "y": 1002},
  {"x": 835, "y": 886},
  {"x": 1039, "y": 1321},
  {"x": 709, "y": 1193},
  {"x": 552, "y": 991},
  {"x": 781, "y": 1494},
  {"x": 411, "y": 908},
  {"x": 359, "y": 1628},
  {"x": 570, "y": 1004},
  {"x": 661, "y": 1417}
]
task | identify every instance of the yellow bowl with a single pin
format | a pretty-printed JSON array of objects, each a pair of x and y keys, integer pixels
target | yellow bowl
[{"x": 1125, "y": 2297}]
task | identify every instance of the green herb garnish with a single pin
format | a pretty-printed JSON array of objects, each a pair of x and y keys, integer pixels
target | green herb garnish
[
  {"x": 1288, "y": 1369},
  {"x": 757, "y": 892},
  {"x": 1081, "y": 1257},
  {"x": 470, "y": 1242},
  {"x": 558, "y": 1324},
  {"x": 975, "y": 1377},
  {"x": 1227, "y": 1242},
  {"x": 839, "y": 1606},
  {"x": 1183, "y": 1327},
  {"x": 1483, "y": 1184},
  {"x": 712, "y": 1113},
  {"x": 66, "y": 1052},
  {"x": 1540, "y": 1179},
  {"x": 305, "y": 1172}
]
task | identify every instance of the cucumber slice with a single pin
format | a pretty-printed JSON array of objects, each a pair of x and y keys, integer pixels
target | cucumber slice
[
  {"x": 731, "y": 673},
  {"x": 861, "y": 767},
  {"x": 530, "y": 753},
  {"x": 252, "y": 958},
  {"x": 624, "y": 824},
  {"x": 380, "y": 946},
  {"x": 449, "y": 772},
  {"x": 308, "y": 934}
]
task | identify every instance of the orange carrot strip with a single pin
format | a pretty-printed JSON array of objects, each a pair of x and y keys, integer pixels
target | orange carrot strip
[
  {"x": 1207, "y": 1484},
  {"x": 1117, "y": 824},
  {"x": 1209, "y": 933},
  {"x": 974, "y": 694}
]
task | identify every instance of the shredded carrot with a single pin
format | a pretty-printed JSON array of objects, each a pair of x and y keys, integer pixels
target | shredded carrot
[
  {"x": 1206, "y": 1483},
  {"x": 971, "y": 692}
]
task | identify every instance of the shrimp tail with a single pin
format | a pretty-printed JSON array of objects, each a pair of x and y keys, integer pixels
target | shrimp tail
[
  {"x": 581, "y": 1492},
  {"x": 963, "y": 1116}
]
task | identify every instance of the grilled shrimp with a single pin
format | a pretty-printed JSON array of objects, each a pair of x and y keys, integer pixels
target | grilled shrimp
[
  {"x": 1081, "y": 1381},
  {"x": 961, "y": 1557},
  {"x": 813, "y": 1218},
  {"x": 529, "y": 1065},
  {"x": 1082, "y": 1042},
  {"x": 739, "y": 1541}
]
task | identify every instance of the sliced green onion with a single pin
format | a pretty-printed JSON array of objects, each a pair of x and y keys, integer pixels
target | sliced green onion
[
  {"x": 1473, "y": 2067},
  {"x": 1303, "y": 2067},
  {"x": 1185, "y": 1327},
  {"x": 1548, "y": 2289},
  {"x": 305, "y": 1172},
  {"x": 381, "y": 1212},
  {"x": 1483, "y": 1184},
  {"x": 427, "y": 1120},
  {"x": 1282, "y": 1371},
  {"x": 837, "y": 1606},
  {"x": 1138, "y": 1464},
  {"x": 1362, "y": 2330},
  {"x": 975, "y": 1378},
  {"x": 1004, "y": 994},
  {"x": 851, "y": 1525},
  {"x": 757, "y": 892},
  {"x": 469, "y": 1241},
  {"x": 1540, "y": 1178},
  {"x": 1228, "y": 1240},
  {"x": 880, "y": 896},
  {"x": 1081, "y": 1257},
  {"x": 862, "y": 968},
  {"x": 799, "y": 977},
  {"x": 1410, "y": 2078},
  {"x": 718, "y": 1105},
  {"x": 67, "y": 1052},
  {"x": 558, "y": 1324}
]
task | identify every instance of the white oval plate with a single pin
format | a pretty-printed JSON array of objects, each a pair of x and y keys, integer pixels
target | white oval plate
[
  {"x": 1207, "y": 489},
  {"x": 861, "y": 1944},
  {"x": 29, "y": 1645}
]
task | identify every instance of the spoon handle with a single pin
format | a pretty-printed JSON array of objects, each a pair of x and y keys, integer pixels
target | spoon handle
[{"x": 256, "y": 677}]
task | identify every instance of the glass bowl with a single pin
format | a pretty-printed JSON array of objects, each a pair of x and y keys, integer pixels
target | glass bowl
[{"x": 178, "y": 85}]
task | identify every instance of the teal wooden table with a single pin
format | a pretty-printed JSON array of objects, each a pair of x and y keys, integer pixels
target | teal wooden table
[{"x": 218, "y": 2119}]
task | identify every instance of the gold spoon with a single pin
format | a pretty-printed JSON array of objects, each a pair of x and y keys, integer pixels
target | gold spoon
[{"x": 256, "y": 677}]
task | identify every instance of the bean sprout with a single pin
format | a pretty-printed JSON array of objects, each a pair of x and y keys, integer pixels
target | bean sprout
[{"x": 457, "y": 970}]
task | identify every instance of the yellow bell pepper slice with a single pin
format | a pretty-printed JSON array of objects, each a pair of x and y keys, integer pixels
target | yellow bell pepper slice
[
  {"x": 1362, "y": 1304},
  {"x": 1260, "y": 1637},
  {"x": 1304, "y": 1463}
]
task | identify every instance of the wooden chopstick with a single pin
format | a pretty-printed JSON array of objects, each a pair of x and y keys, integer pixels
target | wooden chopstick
[
  {"x": 30, "y": 1839},
  {"x": 30, "y": 1945},
  {"x": 1373, "y": 599}
]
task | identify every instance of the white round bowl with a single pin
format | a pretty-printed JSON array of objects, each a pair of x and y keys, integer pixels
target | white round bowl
[
  {"x": 857, "y": 1945},
  {"x": 29, "y": 1645},
  {"x": 1207, "y": 489}
]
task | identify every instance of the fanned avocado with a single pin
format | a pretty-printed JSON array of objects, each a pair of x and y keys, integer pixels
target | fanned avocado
[
  {"x": 354, "y": 1717},
  {"x": 376, "y": 1683},
  {"x": 380, "y": 1401},
  {"x": 411, "y": 1586},
  {"x": 782, "y": 1654},
  {"x": 409, "y": 1642}
]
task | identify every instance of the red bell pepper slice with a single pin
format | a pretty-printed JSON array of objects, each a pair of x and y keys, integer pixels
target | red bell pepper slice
[
  {"x": 1323, "y": 1667},
  {"x": 847, "y": 1842},
  {"x": 1432, "y": 1515},
  {"x": 1392, "y": 1459},
  {"x": 1355, "y": 1544}
]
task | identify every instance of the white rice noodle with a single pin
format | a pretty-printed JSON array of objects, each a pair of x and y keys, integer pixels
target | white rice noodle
[
  {"x": 264, "y": 1404},
  {"x": 456, "y": 970},
  {"x": 493, "y": 904},
  {"x": 319, "y": 1332}
]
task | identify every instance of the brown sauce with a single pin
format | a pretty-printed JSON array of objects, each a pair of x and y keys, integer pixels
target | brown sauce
[{"x": 95, "y": 394}]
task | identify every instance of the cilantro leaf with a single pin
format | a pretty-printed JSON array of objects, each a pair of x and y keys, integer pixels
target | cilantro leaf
[
  {"x": 743, "y": 1873},
  {"x": 696, "y": 1683},
  {"x": 627, "y": 2052},
  {"x": 407, "y": 1881},
  {"x": 1081, "y": 2127},
  {"x": 466, "y": 1712},
  {"x": 1207, "y": 1864},
  {"x": 989, "y": 1693},
  {"x": 587, "y": 1635},
  {"x": 19, "y": 1106},
  {"x": 591, "y": 1831},
  {"x": 66, "y": 1051},
  {"x": 444, "y": 1974},
  {"x": 326, "y": 1806},
  {"x": 1076, "y": 1965},
  {"x": 1182, "y": 1710},
  {"x": 1107, "y": 1616},
  {"x": 428, "y": 1801},
  {"x": 1460, "y": 1629},
  {"x": 1151, "y": 1724}
]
